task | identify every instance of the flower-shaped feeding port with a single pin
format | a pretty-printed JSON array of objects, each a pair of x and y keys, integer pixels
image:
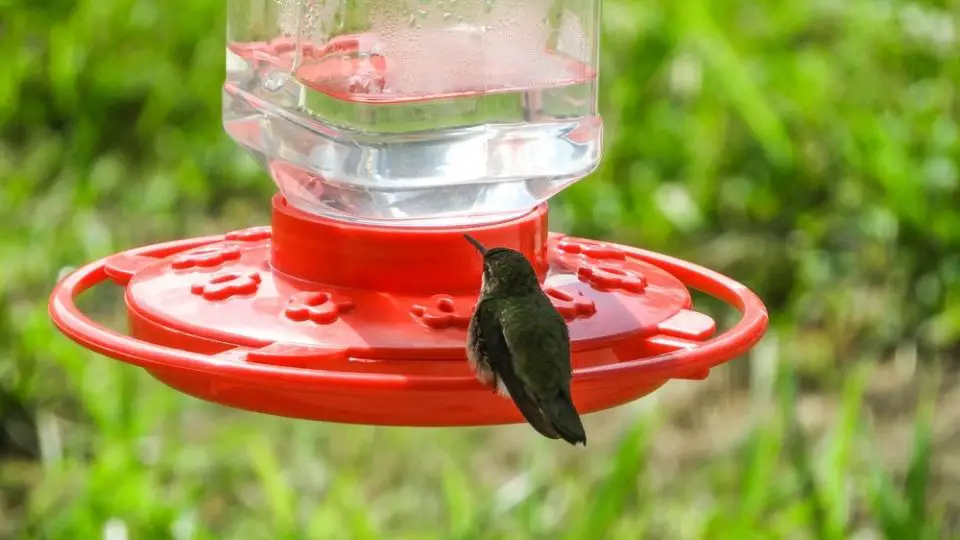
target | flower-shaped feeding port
[
  {"x": 208, "y": 257},
  {"x": 227, "y": 285},
  {"x": 591, "y": 249},
  {"x": 608, "y": 277},
  {"x": 253, "y": 234},
  {"x": 317, "y": 307},
  {"x": 571, "y": 305},
  {"x": 441, "y": 311}
]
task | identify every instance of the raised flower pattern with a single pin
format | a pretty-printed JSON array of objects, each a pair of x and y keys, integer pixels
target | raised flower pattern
[
  {"x": 317, "y": 307},
  {"x": 208, "y": 257},
  {"x": 441, "y": 311},
  {"x": 591, "y": 249},
  {"x": 225, "y": 286},
  {"x": 571, "y": 305},
  {"x": 253, "y": 234},
  {"x": 611, "y": 277}
]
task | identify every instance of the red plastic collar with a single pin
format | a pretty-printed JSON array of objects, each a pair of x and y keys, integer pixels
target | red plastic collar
[{"x": 395, "y": 260}]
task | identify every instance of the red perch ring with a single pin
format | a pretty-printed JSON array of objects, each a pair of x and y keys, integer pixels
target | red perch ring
[{"x": 323, "y": 320}]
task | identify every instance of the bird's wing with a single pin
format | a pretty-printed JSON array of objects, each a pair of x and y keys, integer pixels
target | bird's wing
[
  {"x": 491, "y": 349},
  {"x": 541, "y": 353},
  {"x": 476, "y": 344},
  {"x": 540, "y": 346}
]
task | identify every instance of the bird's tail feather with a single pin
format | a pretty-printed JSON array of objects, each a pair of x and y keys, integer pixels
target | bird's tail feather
[{"x": 563, "y": 416}]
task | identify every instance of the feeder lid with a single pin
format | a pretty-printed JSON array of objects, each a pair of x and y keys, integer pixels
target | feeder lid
[{"x": 219, "y": 318}]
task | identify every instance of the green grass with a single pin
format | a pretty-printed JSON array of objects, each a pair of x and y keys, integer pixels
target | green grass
[
  {"x": 160, "y": 464},
  {"x": 809, "y": 149}
]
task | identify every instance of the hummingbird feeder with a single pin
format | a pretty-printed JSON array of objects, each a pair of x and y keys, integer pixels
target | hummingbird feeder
[{"x": 391, "y": 128}]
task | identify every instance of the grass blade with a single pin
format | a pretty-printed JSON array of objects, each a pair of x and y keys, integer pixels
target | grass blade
[
  {"x": 457, "y": 495},
  {"x": 761, "y": 463},
  {"x": 277, "y": 494},
  {"x": 917, "y": 481},
  {"x": 886, "y": 503},
  {"x": 608, "y": 499},
  {"x": 836, "y": 474},
  {"x": 798, "y": 452},
  {"x": 697, "y": 25}
]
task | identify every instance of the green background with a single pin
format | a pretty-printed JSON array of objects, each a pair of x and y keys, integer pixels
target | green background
[{"x": 808, "y": 149}]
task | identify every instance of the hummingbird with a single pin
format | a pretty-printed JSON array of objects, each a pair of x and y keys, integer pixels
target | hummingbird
[{"x": 519, "y": 344}]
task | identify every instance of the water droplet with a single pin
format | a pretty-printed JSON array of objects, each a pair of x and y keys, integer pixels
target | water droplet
[{"x": 276, "y": 80}]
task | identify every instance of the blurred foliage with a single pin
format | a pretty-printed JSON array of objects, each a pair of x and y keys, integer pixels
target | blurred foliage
[{"x": 810, "y": 149}]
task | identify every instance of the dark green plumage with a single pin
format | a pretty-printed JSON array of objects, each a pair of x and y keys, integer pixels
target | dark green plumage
[{"x": 520, "y": 345}]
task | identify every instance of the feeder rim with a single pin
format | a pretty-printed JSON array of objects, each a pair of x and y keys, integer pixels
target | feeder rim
[{"x": 81, "y": 329}]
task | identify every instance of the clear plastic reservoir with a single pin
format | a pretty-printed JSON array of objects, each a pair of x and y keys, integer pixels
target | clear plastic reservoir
[{"x": 416, "y": 112}]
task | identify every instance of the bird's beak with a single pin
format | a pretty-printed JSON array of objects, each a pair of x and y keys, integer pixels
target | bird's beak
[{"x": 475, "y": 243}]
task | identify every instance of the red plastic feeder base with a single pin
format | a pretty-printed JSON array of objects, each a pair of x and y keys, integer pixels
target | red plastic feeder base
[{"x": 347, "y": 323}]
